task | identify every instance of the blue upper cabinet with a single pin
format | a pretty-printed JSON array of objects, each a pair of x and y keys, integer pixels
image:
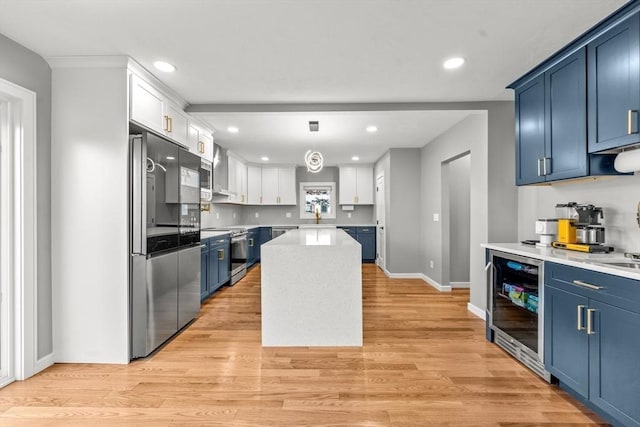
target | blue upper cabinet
[
  {"x": 551, "y": 124},
  {"x": 566, "y": 119},
  {"x": 530, "y": 132},
  {"x": 614, "y": 86}
]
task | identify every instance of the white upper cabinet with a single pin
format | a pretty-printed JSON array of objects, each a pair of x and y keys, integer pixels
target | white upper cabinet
[
  {"x": 237, "y": 172},
  {"x": 200, "y": 141},
  {"x": 287, "y": 185},
  {"x": 152, "y": 109},
  {"x": 254, "y": 185},
  {"x": 356, "y": 185},
  {"x": 147, "y": 105},
  {"x": 278, "y": 185}
]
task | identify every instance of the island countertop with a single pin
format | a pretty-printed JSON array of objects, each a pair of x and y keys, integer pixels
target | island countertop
[{"x": 314, "y": 237}]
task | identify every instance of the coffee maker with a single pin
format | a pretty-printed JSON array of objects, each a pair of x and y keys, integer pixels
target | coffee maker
[{"x": 579, "y": 228}]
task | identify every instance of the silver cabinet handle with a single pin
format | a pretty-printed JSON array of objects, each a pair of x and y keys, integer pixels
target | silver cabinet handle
[
  {"x": 587, "y": 285},
  {"x": 590, "y": 312},
  {"x": 580, "y": 326},
  {"x": 539, "y": 168},
  {"x": 544, "y": 165}
]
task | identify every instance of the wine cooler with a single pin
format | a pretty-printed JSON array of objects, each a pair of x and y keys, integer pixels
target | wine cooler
[{"x": 515, "y": 312}]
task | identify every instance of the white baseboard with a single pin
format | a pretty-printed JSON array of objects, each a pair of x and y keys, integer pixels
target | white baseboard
[
  {"x": 435, "y": 284},
  {"x": 43, "y": 363},
  {"x": 422, "y": 276},
  {"x": 477, "y": 311},
  {"x": 460, "y": 285}
]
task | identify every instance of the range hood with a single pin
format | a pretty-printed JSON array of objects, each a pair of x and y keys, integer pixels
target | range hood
[{"x": 220, "y": 171}]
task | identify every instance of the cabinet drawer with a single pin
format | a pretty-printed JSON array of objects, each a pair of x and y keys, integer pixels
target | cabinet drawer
[
  {"x": 366, "y": 230},
  {"x": 615, "y": 290}
]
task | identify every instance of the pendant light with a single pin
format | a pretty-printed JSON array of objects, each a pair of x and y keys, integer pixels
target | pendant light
[{"x": 313, "y": 159}]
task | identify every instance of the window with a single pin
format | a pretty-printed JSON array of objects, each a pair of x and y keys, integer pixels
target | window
[{"x": 318, "y": 197}]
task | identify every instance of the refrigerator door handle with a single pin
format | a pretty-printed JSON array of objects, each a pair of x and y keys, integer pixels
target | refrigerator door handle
[{"x": 138, "y": 195}]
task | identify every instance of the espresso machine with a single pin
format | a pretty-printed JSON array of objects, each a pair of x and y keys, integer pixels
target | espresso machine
[{"x": 579, "y": 228}]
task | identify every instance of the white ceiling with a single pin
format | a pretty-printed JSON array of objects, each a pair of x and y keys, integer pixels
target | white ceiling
[{"x": 314, "y": 51}]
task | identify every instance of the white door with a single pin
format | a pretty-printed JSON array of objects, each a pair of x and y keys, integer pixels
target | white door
[
  {"x": 6, "y": 374},
  {"x": 380, "y": 222}
]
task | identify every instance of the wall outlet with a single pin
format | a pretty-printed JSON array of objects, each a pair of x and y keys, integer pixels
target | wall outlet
[
  {"x": 436, "y": 217},
  {"x": 217, "y": 215},
  {"x": 288, "y": 215},
  {"x": 431, "y": 263},
  {"x": 234, "y": 215},
  {"x": 257, "y": 215},
  {"x": 349, "y": 215}
]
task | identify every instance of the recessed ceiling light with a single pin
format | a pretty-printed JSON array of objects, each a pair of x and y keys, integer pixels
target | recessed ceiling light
[
  {"x": 233, "y": 129},
  {"x": 372, "y": 129},
  {"x": 355, "y": 158},
  {"x": 264, "y": 158},
  {"x": 454, "y": 62},
  {"x": 164, "y": 66}
]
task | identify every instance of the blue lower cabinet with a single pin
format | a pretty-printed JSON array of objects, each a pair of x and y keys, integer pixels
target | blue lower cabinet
[
  {"x": 592, "y": 342},
  {"x": 366, "y": 236},
  {"x": 265, "y": 236},
  {"x": 204, "y": 269},
  {"x": 215, "y": 265},
  {"x": 253, "y": 246}
]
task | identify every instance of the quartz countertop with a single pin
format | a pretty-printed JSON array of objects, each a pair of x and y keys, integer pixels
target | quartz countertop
[
  {"x": 584, "y": 260},
  {"x": 313, "y": 237},
  {"x": 212, "y": 233}
]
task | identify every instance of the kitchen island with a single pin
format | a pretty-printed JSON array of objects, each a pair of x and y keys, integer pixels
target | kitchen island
[{"x": 312, "y": 289}]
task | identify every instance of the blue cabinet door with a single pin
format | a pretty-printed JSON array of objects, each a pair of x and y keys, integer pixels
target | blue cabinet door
[
  {"x": 214, "y": 282},
  {"x": 265, "y": 236},
  {"x": 566, "y": 119},
  {"x": 530, "y": 131},
  {"x": 614, "y": 350},
  {"x": 566, "y": 343},
  {"x": 614, "y": 86},
  {"x": 252, "y": 246},
  {"x": 351, "y": 231},
  {"x": 223, "y": 256},
  {"x": 204, "y": 271},
  {"x": 366, "y": 236}
]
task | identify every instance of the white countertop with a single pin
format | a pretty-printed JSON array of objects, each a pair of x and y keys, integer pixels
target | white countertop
[
  {"x": 573, "y": 258},
  {"x": 210, "y": 234},
  {"x": 313, "y": 237}
]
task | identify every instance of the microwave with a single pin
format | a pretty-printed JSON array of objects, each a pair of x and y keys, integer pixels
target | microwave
[{"x": 206, "y": 180}]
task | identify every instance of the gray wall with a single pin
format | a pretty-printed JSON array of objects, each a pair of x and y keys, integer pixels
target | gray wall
[
  {"x": 619, "y": 196},
  {"x": 459, "y": 180},
  {"x": 277, "y": 215},
  {"x": 27, "y": 69}
]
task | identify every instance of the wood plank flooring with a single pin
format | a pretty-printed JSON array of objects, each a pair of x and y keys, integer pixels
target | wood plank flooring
[{"x": 425, "y": 362}]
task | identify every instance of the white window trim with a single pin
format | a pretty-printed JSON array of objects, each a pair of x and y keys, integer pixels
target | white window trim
[
  {"x": 18, "y": 223},
  {"x": 334, "y": 199}
]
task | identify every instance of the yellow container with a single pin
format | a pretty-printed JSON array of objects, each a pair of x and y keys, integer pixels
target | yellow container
[{"x": 566, "y": 231}]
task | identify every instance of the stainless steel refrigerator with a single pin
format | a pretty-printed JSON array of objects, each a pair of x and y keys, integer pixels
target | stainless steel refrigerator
[{"x": 165, "y": 241}]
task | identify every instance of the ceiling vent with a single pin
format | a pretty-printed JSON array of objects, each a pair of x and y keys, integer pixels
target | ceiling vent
[{"x": 314, "y": 126}]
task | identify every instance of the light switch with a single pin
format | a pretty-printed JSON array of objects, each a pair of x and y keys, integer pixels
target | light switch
[
  {"x": 257, "y": 215},
  {"x": 288, "y": 215},
  {"x": 234, "y": 215},
  {"x": 349, "y": 215},
  {"x": 436, "y": 217},
  {"x": 217, "y": 215}
]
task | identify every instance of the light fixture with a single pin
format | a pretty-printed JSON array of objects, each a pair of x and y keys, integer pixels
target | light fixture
[
  {"x": 454, "y": 62},
  {"x": 314, "y": 161},
  {"x": 372, "y": 129},
  {"x": 355, "y": 158},
  {"x": 233, "y": 129},
  {"x": 264, "y": 158},
  {"x": 164, "y": 66},
  {"x": 313, "y": 158}
]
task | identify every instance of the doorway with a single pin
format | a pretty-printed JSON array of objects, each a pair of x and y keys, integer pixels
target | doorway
[
  {"x": 380, "y": 222},
  {"x": 456, "y": 224},
  {"x": 18, "y": 234}
]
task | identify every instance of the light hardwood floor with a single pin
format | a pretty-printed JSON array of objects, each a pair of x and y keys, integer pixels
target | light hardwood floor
[{"x": 424, "y": 362}]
